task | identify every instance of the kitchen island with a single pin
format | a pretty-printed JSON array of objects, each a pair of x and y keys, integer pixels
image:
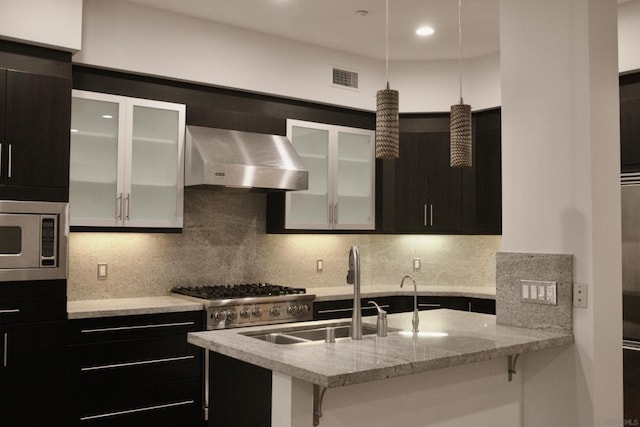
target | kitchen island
[{"x": 398, "y": 379}]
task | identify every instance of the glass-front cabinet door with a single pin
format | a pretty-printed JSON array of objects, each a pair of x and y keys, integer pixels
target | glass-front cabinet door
[
  {"x": 341, "y": 166},
  {"x": 126, "y": 161}
]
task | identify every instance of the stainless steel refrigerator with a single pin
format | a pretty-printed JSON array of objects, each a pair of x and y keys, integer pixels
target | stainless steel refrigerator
[{"x": 631, "y": 295}]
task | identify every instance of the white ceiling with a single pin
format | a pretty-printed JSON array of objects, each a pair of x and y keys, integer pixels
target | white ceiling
[{"x": 334, "y": 24}]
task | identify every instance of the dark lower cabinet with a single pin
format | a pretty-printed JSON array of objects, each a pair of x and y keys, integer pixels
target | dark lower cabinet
[
  {"x": 240, "y": 393},
  {"x": 135, "y": 371},
  {"x": 337, "y": 309},
  {"x": 32, "y": 353}
]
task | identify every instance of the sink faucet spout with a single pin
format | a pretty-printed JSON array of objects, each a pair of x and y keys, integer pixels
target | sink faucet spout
[
  {"x": 416, "y": 319},
  {"x": 353, "y": 277}
]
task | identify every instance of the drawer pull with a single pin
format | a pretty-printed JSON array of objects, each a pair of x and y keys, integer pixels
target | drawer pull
[
  {"x": 137, "y": 410},
  {"x": 429, "y": 305},
  {"x": 11, "y": 310},
  {"x": 5, "y": 351},
  {"x": 140, "y": 363},
  {"x": 129, "y": 328}
]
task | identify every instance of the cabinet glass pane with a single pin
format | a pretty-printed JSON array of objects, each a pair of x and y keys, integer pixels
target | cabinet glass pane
[
  {"x": 311, "y": 206},
  {"x": 354, "y": 186},
  {"x": 154, "y": 163},
  {"x": 94, "y": 159}
]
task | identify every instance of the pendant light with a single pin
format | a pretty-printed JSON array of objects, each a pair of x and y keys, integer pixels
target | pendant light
[
  {"x": 387, "y": 120},
  {"x": 460, "y": 125}
]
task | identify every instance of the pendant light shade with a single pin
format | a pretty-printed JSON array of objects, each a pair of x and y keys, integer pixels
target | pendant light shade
[
  {"x": 460, "y": 126},
  {"x": 387, "y": 119},
  {"x": 387, "y": 129}
]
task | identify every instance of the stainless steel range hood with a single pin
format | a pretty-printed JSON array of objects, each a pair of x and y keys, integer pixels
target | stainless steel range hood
[{"x": 231, "y": 158}]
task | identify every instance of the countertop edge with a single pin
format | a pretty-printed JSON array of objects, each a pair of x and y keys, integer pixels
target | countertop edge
[{"x": 112, "y": 307}]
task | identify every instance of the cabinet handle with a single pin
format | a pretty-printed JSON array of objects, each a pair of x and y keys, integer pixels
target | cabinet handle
[
  {"x": 143, "y": 362},
  {"x": 119, "y": 206},
  {"x": 137, "y": 410},
  {"x": 430, "y": 215},
  {"x": 10, "y": 161},
  {"x": 5, "y": 352},
  {"x": 425, "y": 214},
  {"x": 11, "y": 310},
  {"x": 330, "y": 214},
  {"x": 343, "y": 310},
  {"x": 128, "y": 328},
  {"x": 0, "y": 159},
  {"x": 128, "y": 203},
  {"x": 429, "y": 305},
  {"x": 335, "y": 214}
]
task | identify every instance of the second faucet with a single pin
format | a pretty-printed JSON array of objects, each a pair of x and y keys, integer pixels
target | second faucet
[{"x": 416, "y": 320}]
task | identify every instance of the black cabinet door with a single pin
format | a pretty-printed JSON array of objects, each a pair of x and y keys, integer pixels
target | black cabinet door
[
  {"x": 427, "y": 189},
  {"x": 37, "y": 125},
  {"x": 33, "y": 374},
  {"x": 411, "y": 183},
  {"x": 445, "y": 195},
  {"x": 482, "y": 183},
  {"x": 4, "y": 147}
]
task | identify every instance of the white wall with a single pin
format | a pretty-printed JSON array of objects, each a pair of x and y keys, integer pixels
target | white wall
[
  {"x": 55, "y": 24},
  {"x": 629, "y": 36},
  {"x": 561, "y": 192},
  {"x": 129, "y": 37}
]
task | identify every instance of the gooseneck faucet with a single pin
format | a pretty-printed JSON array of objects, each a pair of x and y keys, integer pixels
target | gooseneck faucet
[
  {"x": 353, "y": 277},
  {"x": 416, "y": 320}
]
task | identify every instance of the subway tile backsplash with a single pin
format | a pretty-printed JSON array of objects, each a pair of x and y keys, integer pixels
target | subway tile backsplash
[{"x": 224, "y": 241}]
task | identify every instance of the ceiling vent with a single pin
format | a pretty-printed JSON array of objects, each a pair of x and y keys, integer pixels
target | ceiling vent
[{"x": 345, "y": 78}]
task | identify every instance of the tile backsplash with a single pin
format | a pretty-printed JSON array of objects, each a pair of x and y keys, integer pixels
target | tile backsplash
[{"x": 224, "y": 241}]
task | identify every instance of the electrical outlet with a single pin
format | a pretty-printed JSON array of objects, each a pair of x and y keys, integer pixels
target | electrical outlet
[
  {"x": 580, "y": 295},
  {"x": 102, "y": 271},
  {"x": 319, "y": 265}
]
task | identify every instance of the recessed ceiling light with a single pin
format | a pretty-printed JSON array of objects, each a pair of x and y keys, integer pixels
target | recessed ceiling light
[
  {"x": 425, "y": 31},
  {"x": 107, "y": 116}
]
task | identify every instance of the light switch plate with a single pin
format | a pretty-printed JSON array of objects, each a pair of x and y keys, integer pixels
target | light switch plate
[
  {"x": 416, "y": 264},
  {"x": 539, "y": 292}
]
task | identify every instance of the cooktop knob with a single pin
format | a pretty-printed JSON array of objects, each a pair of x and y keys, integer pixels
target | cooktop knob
[
  {"x": 219, "y": 316},
  {"x": 275, "y": 311},
  {"x": 244, "y": 313},
  {"x": 232, "y": 315},
  {"x": 292, "y": 309},
  {"x": 256, "y": 312},
  {"x": 304, "y": 308}
]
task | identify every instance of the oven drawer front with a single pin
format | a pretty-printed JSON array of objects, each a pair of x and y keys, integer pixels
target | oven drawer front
[{"x": 38, "y": 301}]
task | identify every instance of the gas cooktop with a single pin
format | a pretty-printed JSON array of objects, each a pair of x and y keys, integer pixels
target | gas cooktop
[
  {"x": 245, "y": 290},
  {"x": 248, "y": 304}
]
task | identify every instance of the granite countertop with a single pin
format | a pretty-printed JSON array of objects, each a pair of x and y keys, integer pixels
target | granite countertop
[
  {"x": 346, "y": 292},
  {"x": 472, "y": 337},
  {"x": 86, "y": 309}
]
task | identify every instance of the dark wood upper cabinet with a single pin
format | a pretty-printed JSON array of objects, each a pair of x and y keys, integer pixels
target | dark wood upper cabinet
[
  {"x": 37, "y": 123},
  {"x": 482, "y": 183},
  {"x": 35, "y": 120},
  {"x": 427, "y": 190}
]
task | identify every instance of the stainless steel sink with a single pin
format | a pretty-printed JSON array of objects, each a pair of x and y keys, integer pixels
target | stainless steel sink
[{"x": 316, "y": 333}]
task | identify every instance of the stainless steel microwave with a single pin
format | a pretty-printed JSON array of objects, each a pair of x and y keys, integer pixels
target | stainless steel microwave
[{"x": 33, "y": 240}]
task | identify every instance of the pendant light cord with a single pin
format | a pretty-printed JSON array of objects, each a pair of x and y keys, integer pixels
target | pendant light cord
[
  {"x": 387, "y": 43},
  {"x": 460, "y": 46}
]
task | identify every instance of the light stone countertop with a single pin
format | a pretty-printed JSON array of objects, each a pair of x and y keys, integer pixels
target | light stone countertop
[
  {"x": 86, "y": 309},
  {"x": 329, "y": 293},
  {"x": 472, "y": 337}
]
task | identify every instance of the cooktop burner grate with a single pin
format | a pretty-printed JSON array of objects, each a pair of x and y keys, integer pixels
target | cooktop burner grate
[{"x": 244, "y": 290}]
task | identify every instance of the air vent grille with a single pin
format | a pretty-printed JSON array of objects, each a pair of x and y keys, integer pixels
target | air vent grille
[{"x": 345, "y": 78}]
